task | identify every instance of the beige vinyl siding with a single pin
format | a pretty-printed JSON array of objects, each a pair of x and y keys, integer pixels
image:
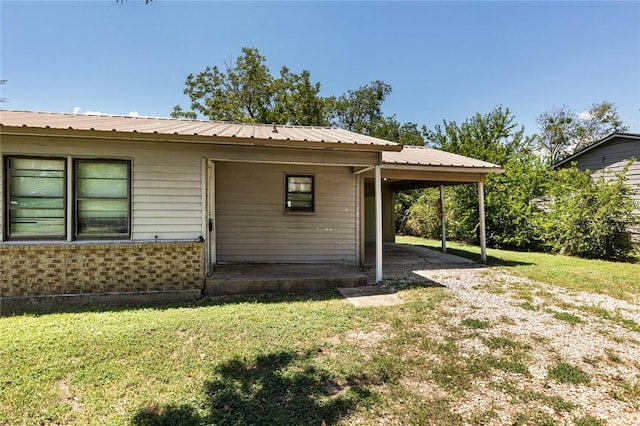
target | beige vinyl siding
[
  {"x": 166, "y": 198},
  {"x": 251, "y": 224}
]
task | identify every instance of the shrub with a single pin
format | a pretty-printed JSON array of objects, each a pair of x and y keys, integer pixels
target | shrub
[{"x": 588, "y": 218}]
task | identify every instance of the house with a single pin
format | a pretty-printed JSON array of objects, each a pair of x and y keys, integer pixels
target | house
[
  {"x": 608, "y": 157},
  {"x": 111, "y": 209}
]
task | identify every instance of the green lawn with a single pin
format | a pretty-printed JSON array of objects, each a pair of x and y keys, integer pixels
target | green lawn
[
  {"x": 271, "y": 360},
  {"x": 292, "y": 359},
  {"x": 616, "y": 279}
]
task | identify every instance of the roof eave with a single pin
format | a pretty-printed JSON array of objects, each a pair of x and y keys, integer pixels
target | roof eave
[
  {"x": 603, "y": 141},
  {"x": 443, "y": 168},
  {"x": 196, "y": 139}
]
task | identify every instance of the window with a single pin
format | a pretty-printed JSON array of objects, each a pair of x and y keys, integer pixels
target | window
[
  {"x": 36, "y": 197},
  {"x": 37, "y": 206},
  {"x": 102, "y": 198},
  {"x": 300, "y": 197}
]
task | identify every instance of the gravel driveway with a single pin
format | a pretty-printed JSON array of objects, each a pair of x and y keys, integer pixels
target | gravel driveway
[{"x": 596, "y": 333}]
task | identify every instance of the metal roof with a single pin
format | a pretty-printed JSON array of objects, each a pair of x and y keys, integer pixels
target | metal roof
[
  {"x": 182, "y": 127},
  {"x": 421, "y": 156},
  {"x": 606, "y": 139}
]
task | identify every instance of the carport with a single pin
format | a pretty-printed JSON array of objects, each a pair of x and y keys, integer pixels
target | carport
[{"x": 414, "y": 167}]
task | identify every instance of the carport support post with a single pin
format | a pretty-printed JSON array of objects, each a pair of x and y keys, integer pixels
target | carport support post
[
  {"x": 378, "y": 185},
  {"x": 442, "y": 222},
  {"x": 483, "y": 233}
]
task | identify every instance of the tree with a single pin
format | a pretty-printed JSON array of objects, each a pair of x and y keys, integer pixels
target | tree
[
  {"x": 389, "y": 128},
  {"x": 297, "y": 100},
  {"x": 492, "y": 137},
  {"x": 557, "y": 133},
  {"x": 246, "y": 91},
  {"x": 562, "y": 132},
  {"x": 601, "y": 120},
  {"x": 497, "y": 138},
  {"x": 361, "y": 109}
]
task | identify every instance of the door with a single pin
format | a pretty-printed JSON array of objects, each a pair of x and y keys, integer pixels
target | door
[{"x": 211, "y": 215}]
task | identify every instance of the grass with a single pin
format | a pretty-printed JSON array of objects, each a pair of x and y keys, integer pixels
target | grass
[
  {"x": 186, "y": 365},
  {"x": 611, "y": 316},
  {"x": 628, "y": 390},
  {"x": 565, "y": 372},
  {"x": 283, "y": 359},
  {"x": 565, "y": 316},
  {"x": 616, "y": 279},
  {"x": 475, "y": 323}
]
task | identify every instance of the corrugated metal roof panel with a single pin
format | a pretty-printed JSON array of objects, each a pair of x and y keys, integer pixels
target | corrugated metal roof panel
[
  {"x": 173, "y": 126},
  {"x": 423, "y": 156}
]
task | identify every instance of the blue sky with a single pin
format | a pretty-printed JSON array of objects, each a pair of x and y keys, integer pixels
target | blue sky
[{"x": 444, "y": 60}]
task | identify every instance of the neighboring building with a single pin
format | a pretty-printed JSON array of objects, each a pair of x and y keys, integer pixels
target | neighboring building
[
  {"x": 608, "y": 157},
  {"x": 112, "y": 208}
]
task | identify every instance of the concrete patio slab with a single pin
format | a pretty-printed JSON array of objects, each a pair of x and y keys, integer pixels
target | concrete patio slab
[
  {"x": 407, "y": 254},
  {"x": 264, "y": 278}
]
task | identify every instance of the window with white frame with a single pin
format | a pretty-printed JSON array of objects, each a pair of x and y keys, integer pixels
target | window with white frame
[
  {"x": 299, "y": 193},
  {"x": 37, "y": 205}
]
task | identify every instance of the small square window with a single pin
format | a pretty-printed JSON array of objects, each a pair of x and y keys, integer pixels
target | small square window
[{"x": 300, "y": 194}]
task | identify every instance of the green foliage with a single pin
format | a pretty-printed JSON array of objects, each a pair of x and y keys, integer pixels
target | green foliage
[
  {"x": 358, "y": 110},
  {"x": 475, "y": 323},
  {"x": 588, "y": 420},
  {"x": 420, "y": 217},
  {"x": 246, "y": 91},
  {"x": 510, "y": 212},
  {"x": 562, "y": 132},
  {"x": 588, "y": 218},
  {"x": 528, "y": 207},
  {"x": 568, "y": 373},
  {"x": 566, "y": 316},
  {"x": 601, "y": 120},
  {"x": 496, "y": 138},
  {"x": 391, "y": 129},
  {"x": 492, "y": 137}
]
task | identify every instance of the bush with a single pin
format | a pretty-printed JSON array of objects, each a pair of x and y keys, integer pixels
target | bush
[
  {"x": 422, "y": 218},
  {"x": 588, "y": 218}
]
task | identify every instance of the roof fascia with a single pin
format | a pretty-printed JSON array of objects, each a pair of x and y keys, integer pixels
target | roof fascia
[
  {"x": 603, "y": 141},
  {"x": 452, "y": 169}
]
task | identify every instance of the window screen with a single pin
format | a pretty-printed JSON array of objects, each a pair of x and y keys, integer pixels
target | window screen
[
  {"x": 36, "y": 201},
  {"x": 102, "y": 198},
  {"x": 300, "y": 194}
]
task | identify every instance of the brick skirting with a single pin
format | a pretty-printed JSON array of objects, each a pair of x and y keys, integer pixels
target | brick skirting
[{"x": 96, "y": 268}]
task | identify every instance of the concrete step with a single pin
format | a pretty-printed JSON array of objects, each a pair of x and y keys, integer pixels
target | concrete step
[{"x": 267, "y": 278}]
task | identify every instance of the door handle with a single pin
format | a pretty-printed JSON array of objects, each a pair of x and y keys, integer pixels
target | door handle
[{"x": 210, "y": 225}]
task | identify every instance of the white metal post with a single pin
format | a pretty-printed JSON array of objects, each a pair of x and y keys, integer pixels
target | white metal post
[
  {"x": 378, "y": 185},
  {"x": 442, "y": 221},
  {"x": 483, "y": 233}
]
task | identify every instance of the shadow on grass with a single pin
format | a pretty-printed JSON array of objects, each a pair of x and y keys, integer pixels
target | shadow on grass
[
  {"x": 280, "y": 388},
  {"x": 207, "y": 301}
]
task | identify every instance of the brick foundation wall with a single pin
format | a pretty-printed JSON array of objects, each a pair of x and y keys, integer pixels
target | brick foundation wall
[{"x": 90, "y": 268}]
